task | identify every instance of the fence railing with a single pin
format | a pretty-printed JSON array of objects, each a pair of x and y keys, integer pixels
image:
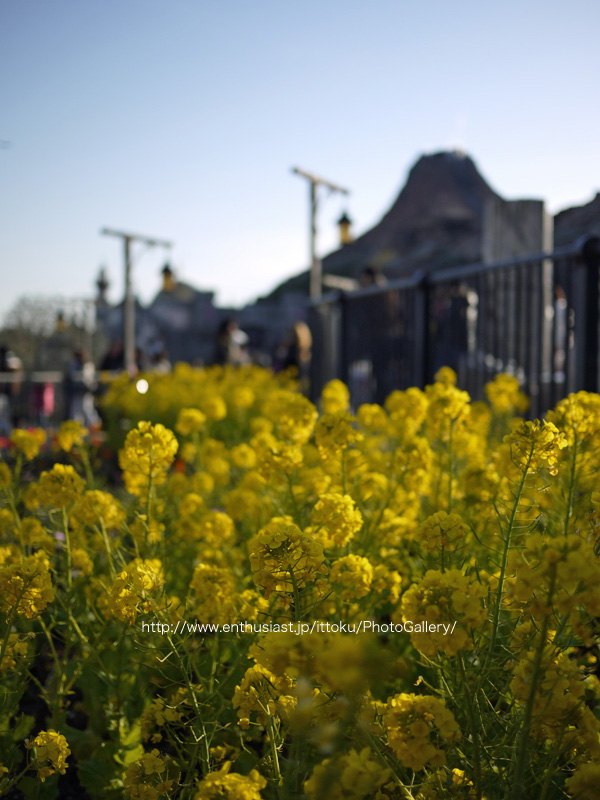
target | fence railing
[{"x": 535, "y": 317}]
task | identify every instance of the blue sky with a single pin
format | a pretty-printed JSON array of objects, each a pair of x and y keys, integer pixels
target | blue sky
[{"x": 181, "y": 120}]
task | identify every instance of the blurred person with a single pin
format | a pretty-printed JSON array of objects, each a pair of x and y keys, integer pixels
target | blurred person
[
  {"x": 43, "y": 402},
  {"x": 114, "y": 360},
  {"x": 80, "y": 385},
  {"x": 5, "y": 393},
  {"x": 15, "y": 403},
  {"x": 295, "y": 350},
  {"x": 159, "y": 359},
  {"x": 231, "y": 346},
  {"x": 371, "y": 276}
]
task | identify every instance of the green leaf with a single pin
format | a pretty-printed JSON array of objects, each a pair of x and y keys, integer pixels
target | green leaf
[
  {"x": 131, "y": 747},
  {"x": 22, "y": 727},
  {"x": 97, "y": 777},
  {"x": 34, "y": 789}
]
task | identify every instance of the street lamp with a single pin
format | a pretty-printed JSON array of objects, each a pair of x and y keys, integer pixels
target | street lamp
[{"x": 345, "y": 224}]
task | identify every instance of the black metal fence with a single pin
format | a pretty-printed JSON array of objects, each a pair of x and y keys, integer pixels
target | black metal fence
[{"x": 536, "y": 318}]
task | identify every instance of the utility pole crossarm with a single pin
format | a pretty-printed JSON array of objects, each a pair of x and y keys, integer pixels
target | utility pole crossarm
[
  {"x": 134, "y": 237},
  {"x": 315, "y": 265},
  {"x": 129, "y": 301},
  {"x": 320, "y": 181}
]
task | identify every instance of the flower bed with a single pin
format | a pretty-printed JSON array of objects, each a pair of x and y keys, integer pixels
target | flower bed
[{"x": 279, "y": 603}]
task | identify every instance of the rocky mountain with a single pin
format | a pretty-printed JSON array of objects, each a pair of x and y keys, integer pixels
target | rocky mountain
[
  {"x": 436, "y": 220},
  {"x": 446, "y": 215},
  {"x": 577, "y": 222}
]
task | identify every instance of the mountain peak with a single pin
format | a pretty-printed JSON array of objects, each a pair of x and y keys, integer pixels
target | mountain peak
[{"x": 436, "y": 218}]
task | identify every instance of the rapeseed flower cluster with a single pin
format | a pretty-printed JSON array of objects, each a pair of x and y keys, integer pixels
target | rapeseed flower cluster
[
  {"x": 416, "y": 726},
  {"x": 439, "y": 553},
  {"x": 50, "y": 753}
]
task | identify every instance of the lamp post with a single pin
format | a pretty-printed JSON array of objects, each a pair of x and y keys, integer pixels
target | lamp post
[
  {"x": 129, "y": 303},
  {"x": 315, "y": 263}
]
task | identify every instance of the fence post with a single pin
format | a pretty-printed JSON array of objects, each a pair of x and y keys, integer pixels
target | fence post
[
  {"x": 343, "y": 352},
  {"x": 590, "y": 253},
  {"x": 421, "y": 351}
]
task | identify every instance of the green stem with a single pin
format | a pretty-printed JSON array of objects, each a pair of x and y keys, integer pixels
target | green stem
[
  {"x": 68, "y": 547},
  {"x": 450, "y": 467},
  {"x": 7, "y": 634},
  {"x": 389, "y": 763},
  {"x": 297, "y": 607},
  {"x": 193, "y": 698},
  {"x": 89, "y": 475},
  {"x": 13, "y": 507},
  {"x": 571, "y": 486},
  {"x": 295, "y": 509},
  {"x": 473, "y": 725},
  {"x": 111, "y": 566},
  {"x": 274, "y": 753},
  {"x": 500, "y": 590},
  {"x": 522, "y": 745}
]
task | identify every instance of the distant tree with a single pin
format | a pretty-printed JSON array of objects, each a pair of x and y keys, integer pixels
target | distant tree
[
  {"x": 41, "y": 331},
  {"x": 36, "y": 315}
]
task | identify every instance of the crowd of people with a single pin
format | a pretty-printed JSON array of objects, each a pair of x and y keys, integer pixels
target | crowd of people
[{"x": 25, "y": 401}]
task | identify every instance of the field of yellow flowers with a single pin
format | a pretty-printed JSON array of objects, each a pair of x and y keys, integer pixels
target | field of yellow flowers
[{"x": 269, "y": 600}]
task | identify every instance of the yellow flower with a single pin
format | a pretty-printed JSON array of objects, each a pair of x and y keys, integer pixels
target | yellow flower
[
  {"x": 16, "y": 649},
  {"x": 34, "y": 534},
  {"x": 243, "y": 456},
  {"x": 584, "y": 784},
  {"x": 214, "y": 590},
  {"x": 282, "y": 555},
  {"x": 260, "y": 693},
  {"x": 559, "y": 710},
  {"x": 148, "y": 453},
  {"x": 223, "y": 785},
  {"x": 145, "y": 778},
  {"x": 414, "y": 725},
  {"x": 275, "y": 456},
  {"x": 335, "y": 397},
  {"x": 407, "y": 411},
  {"x": 349, "y": 776},
  {"x": 568, "y": 562},
  {"x": 152, "y": 762},
  {"x": 5, "y": 476},
  {"x": 69, "y": 434},
  {"x": 504, "y": 395},
  {"x": 28, "y": 442},
  {"x": 293, "y": 416},
  {"x": 82, "y": 561},
  {"x": 352, "y": 575},
  {"x": 190, "y": 420},
  {"x": 216, "y": 528},
  {"x": 26, "y": 585},
  {"x": 60, "y": 487},
  {"x": 242, "y": 397},
  {"x": 535, "y": 444},
  {"x": 49, "y": 746},
  {"x": 214, "y": 407},
  {"x": 336, "y": 519},
  {"x": 448, "y": 406},
  {"x": 442, "y": 530},
  {"x": 372, "y": 417},
  {"x": 96, "y": 507},
  {"x": 446, "y": 375},
  {"x": 335, "y": 432},
  {"x": 443, "y": 598},
  {"x": 134, "y": 589}
]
